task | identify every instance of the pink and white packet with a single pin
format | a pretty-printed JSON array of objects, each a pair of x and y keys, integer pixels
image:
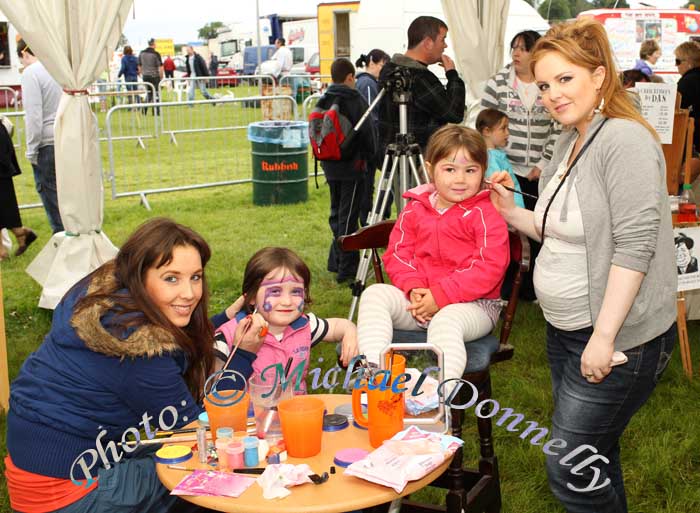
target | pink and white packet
[
  {"x": 213, "y": 483},
  {"x": 409, "y": 455}
]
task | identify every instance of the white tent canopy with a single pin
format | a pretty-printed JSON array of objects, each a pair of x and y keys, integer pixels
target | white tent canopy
[
  {"x": 74, "y": 40},
  {"x": 477, "y": 28}
]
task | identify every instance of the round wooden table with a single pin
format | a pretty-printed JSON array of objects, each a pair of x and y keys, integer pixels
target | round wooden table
[{"x": 340, "y": 493}]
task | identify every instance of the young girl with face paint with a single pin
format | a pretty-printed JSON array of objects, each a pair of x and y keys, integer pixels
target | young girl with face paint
[
  {"x": 446, "y": 257},
  {"x": 276, "y": 287}
]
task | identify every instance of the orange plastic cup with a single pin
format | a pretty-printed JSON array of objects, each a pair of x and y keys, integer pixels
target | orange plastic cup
[
  {"x": 234, "y": 416},
  {"x": 385, "y": 409},
  {"x": 302, "y": 425}
]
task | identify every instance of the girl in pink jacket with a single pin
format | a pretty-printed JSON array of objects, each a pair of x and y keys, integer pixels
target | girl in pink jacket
[
  {"x": 446, "y": 257},
  {"x": 276, "y": 286}
]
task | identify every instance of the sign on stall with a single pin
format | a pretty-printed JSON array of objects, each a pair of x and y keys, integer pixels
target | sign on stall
[
  {"x": 658, "y": 107},
  {"x": 687, "y": 241},
  {"x": 165, "y": 47}
]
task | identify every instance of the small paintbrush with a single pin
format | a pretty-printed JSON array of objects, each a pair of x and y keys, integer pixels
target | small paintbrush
[
  {"x": 272, "y": 412},
  {"x": 511, "y": 189}
]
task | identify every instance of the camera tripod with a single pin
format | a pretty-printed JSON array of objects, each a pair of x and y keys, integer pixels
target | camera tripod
[{"x": 405, "y": 155}]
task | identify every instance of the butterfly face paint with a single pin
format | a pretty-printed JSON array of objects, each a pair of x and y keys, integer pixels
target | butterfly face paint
[{"x": 280, "y": 299}]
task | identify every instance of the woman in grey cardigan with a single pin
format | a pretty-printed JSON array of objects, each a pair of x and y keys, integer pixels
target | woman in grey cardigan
[{"x": 606, "y": 276}]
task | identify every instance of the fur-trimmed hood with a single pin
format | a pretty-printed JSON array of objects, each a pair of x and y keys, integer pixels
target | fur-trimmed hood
[{"x": 89, "y": 325}]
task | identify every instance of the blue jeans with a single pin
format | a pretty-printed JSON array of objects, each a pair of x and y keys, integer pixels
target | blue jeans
[
  {"x": 592, "y": 417},
  {"x": 45, "y": 180},
  {"x": 130, "y": 486},
  {"x": 202, "y": 87}
]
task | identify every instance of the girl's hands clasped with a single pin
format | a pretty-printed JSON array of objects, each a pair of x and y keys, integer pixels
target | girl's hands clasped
[{"x": 423, "y": 305}]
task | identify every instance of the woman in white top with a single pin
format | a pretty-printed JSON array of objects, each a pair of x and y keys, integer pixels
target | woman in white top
[{"x": 606, "y": 275}]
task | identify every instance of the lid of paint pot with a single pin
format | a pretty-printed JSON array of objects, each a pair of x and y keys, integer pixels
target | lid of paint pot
[
  {"x": 335, "y": 422},
  {"x": 173, "y": 454},
  {"x": 346, "y": 457}
]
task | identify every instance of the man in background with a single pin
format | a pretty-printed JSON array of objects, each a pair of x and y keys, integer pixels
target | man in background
[
  {"x": 151, "y": 70},
  {"x": 40, "y": 97},
  {"x": 169, "y": 67},
  {"x": 432, "y": 104},
  {"x": 196, "y": 67},
  {"x": 213, "y": 68},
  {"x": 283, "y": 56}
]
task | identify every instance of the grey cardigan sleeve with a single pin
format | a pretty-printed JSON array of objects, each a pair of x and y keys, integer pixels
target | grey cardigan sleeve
[{"x": 633, "y": 172}]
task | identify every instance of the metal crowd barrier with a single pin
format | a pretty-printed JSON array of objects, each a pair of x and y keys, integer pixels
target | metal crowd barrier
[
  {"x": 306, "y": 107},
  {"x": 117, "y": 93},
  {"x": 134, "y": 123},
  {"x": 213, "y": 148},
  {"x": 170, "y": 87}
]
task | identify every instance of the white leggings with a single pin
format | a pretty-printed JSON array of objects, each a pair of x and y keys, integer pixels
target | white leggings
[{"x": 383, "y": 308}]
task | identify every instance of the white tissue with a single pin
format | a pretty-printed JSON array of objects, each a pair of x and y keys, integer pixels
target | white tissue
[{"x": 278, "y": 477}]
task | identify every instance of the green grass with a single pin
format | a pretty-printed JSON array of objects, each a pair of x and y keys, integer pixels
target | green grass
[{"x": 660, "y": 449}]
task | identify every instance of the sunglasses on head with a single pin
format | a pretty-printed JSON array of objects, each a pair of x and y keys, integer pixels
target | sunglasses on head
[{"x": 678, "y": 61}]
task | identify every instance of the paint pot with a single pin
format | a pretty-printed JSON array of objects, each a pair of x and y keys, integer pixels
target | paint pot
[
  {"x": 221, "y": 445},
  {"x": 173, "y": 454},
  {"x": 263, "y": 449},
  {"x": 234, "y": 451},
  {"x": 346, "y": 457},
  {"x": 335, "y": 422},
  {"x": 250, "y": 451},
  {"x": 346, "y": 410},
  {"x": 224, "y": 432}
]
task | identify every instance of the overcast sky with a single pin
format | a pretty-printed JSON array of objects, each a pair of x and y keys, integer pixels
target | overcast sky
[{"x": 180, "y": 20}]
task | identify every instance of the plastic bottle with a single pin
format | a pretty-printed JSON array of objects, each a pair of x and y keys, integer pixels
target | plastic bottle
[{"x": 687, "y": 206}]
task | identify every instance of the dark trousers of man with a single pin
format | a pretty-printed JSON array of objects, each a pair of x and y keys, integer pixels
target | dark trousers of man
[
  {"x": 346, "y": 198},
  {"x": 154, "y": 81},
  {"x": 169, "y": 73},
  {"x": 527, "y": 289},
  {"x": 45, "y": 181}
]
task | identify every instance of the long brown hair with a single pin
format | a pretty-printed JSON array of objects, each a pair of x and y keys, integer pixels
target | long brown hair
[
  {"x": 267, "y": 260},
  {"x": 585, "y": 43},
  {"x": 151, "y": 246}
]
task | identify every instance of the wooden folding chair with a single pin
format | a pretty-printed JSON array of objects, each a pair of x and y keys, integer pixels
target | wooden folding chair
[
  {"x": 468, "y": 490},
  {"x": 673, "y": 153}
]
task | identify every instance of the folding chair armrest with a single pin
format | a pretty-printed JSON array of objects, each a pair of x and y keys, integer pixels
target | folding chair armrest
[
  {"x": 525, "y": 252},
  {"x": 374, "y": 236}
]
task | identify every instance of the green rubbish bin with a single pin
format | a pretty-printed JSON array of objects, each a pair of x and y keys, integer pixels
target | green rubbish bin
[{"x": 280, "y": 161}]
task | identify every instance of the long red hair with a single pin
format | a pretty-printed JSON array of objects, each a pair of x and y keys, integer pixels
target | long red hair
[{"x": 585, "y": 43}]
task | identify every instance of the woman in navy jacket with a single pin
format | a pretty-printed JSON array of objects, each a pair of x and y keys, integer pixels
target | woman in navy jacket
[
  {"x": 129, "y": 350},
  {"x": 129, "y": 69}
]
